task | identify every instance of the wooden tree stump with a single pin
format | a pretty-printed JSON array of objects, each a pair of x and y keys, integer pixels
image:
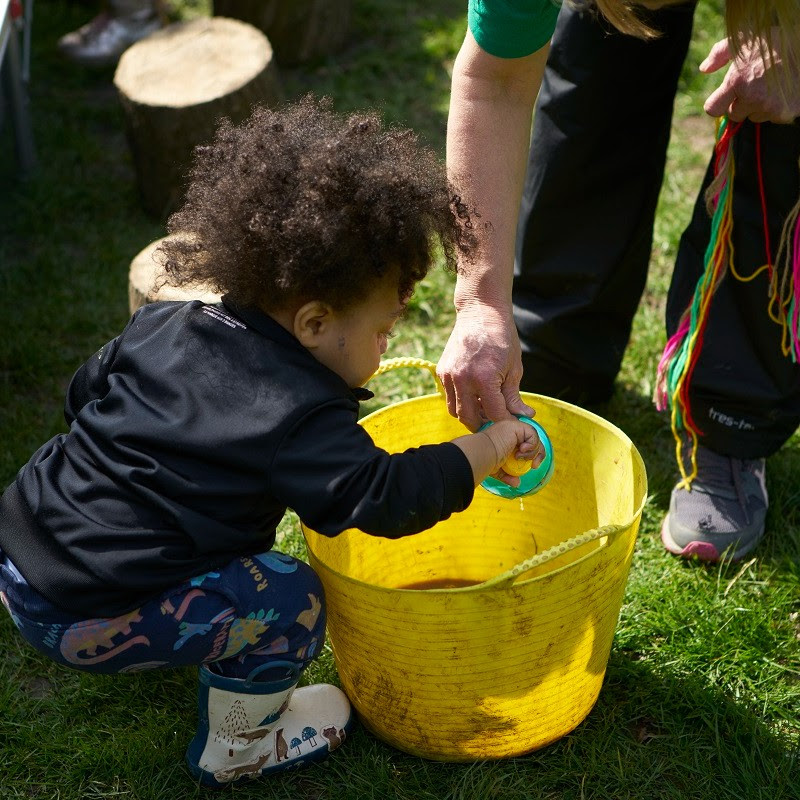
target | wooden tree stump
[
  {"x": 175, "y": 86},
  {"x": 298, "y": 30},
  {"x": 143, "y": 277}
]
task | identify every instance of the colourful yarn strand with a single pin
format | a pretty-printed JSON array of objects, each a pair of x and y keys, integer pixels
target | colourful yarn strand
[
  {"x": 680, "y": 356},
  {"x": 784, "y": 306},
  {"x": 785, "y": 299},
  {"x": 681, "y": 353},
  {"x": 794, "y": 306}
]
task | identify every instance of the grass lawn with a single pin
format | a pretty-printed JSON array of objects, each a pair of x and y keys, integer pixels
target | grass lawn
[{"x": 702, "y": 695}]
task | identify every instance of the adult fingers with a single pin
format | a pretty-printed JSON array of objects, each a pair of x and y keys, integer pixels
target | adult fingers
[
  {"x": 494, "y": 405},
  {"x": 468, "y": 410},
  {"x": 737, "y": 111},
  {"x": 760, "y": 116},
  {"x": 449, "y": 393},
  {"x": 720, "y": 101},
  {"x": 515, "y": 404},
  {"x": 718, "y": 57}
]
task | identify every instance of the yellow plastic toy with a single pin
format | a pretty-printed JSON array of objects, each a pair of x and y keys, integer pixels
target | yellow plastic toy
[
  {"x": 516, "y": 466},
  {"x": 514, "y": 659}
]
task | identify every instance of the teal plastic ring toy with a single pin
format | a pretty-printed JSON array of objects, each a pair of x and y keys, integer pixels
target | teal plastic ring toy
[{"x": 535, "y": 478}]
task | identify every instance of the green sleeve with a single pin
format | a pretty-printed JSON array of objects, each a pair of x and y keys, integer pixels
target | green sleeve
[{"x": 512, "y": 28}]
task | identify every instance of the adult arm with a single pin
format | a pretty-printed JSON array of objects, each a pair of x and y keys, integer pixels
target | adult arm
[
  {"x": 751, "y": 88},
  {"x": 488, "y": 136}
]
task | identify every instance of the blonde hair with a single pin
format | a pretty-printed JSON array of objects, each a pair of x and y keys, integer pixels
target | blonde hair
[
  {"x": 626, "y": 15},
  {"x": 773, "y": 24}
]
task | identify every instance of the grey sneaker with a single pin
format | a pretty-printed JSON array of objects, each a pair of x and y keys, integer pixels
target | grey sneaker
[
  {"x": 723, "y": 514},
  {"x": 102, "y": 41}
]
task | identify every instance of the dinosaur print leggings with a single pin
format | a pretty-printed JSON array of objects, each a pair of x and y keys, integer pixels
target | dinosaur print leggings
[{"x": 253, "y": 610}]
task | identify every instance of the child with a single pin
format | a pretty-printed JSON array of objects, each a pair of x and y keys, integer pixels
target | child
[{"x": 142, "y": 537}]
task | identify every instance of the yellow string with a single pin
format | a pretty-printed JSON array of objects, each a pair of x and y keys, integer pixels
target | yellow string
[
  {"x": 781, "y": 295},
  {"x": 746, "y": 278},
  {"x": 714, "y": 276}
]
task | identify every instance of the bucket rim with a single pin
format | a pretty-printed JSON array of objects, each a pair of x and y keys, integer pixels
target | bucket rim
[
  {"x": 551, "y": 401},
  {"x": 490, "y": 584},
  {"x": 499, "y": 582}
]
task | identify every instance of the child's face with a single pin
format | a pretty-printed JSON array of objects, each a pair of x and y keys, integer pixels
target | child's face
[{"x": 357, "y": 338}]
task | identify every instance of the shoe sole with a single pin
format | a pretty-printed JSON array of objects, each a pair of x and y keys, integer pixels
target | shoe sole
[{"x": 703, "y": 551}]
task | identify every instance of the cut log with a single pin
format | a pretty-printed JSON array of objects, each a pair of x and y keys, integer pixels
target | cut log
[
  {"x": 298, "y": 30},
  {"x": 144, "y": 279},
  {"x": 176, "y": 85}
]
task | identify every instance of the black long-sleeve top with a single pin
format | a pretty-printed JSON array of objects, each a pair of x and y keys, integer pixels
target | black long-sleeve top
[{"x": 189, "y": 436}]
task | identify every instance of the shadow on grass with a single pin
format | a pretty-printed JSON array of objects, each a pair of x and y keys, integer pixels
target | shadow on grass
[{"x": 654, "y": 733}]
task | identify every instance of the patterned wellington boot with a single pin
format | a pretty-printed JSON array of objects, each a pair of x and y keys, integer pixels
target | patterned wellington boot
[{"x": 258, "y": 725}]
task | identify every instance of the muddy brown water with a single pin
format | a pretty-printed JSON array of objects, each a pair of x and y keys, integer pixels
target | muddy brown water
[{"x": 440, "y": 583}]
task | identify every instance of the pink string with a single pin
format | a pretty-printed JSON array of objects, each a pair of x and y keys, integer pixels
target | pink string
[{"x": 673, "y": 343}]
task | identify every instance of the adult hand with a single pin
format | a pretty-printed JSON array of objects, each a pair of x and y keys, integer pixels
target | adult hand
[
  {"x": 488, "y": 137},
  {"x": 481, "y": 367},
  {"x": 752, "y": 89}
]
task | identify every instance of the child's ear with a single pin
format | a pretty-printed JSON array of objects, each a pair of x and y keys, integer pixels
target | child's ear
[{"x": 311, "y": 322}]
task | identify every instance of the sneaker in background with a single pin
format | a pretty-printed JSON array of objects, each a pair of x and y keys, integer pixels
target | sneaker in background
[
  {"x": 723, "y": 514},
  {"x": 102, "y": 41}
]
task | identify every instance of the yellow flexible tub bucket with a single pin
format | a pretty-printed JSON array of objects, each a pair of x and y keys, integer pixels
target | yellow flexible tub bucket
[{"x": 515, "y": 661}]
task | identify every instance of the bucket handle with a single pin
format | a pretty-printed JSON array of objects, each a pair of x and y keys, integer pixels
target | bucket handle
[
  {"x": 507, "y": 578},
  {"x": 396, "y": 363}
]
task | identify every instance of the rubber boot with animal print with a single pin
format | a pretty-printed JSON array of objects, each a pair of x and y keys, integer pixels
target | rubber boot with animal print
[{"x": 262, "y": 724}]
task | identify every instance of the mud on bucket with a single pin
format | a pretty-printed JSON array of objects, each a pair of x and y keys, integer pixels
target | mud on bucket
[{"x": 515, "y": 660}]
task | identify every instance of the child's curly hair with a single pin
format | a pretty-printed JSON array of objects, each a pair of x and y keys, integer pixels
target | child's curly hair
[{"x": 303, "y": 203}]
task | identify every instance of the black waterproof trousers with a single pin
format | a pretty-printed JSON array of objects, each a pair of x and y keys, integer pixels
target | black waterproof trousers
[{"x": 599, "y": 143}]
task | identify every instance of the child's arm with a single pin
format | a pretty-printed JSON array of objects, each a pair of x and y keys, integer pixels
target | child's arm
[
  {"x": 90, "y": 381},
  {"x": 490, "y": 448},
  {"x": 330, "y": 472}
]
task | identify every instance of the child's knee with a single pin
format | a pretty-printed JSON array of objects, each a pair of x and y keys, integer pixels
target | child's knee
[{"x": 312, "y": 614}]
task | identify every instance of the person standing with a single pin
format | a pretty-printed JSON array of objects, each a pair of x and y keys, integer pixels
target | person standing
[{"x": 554, "y": 313}]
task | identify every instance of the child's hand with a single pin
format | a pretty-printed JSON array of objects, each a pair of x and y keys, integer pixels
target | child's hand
[
  {"x": 518, "y": 447},
  {"x": 501, "y": 444}
]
